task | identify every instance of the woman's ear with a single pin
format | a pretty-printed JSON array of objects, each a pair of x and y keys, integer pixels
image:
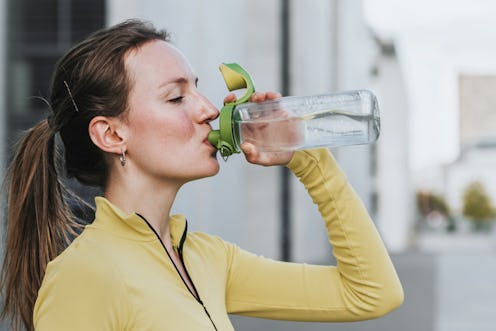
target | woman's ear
[{"x": 108, "y": 133}]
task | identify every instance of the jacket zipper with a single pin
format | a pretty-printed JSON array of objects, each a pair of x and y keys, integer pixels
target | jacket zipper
[
  {"x": 180, "y": 251},
  {"x": 195, "y": 294}
]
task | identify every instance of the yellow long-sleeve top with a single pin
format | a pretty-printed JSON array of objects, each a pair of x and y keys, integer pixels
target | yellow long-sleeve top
[{"x": 117, "y": 275}]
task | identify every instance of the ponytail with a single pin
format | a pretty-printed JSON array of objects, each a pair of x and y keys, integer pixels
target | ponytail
[{"x": 39, "y": 223}]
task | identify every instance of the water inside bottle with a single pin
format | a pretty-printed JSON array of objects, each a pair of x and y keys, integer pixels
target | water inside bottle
[{"x": 329, "y": 128}]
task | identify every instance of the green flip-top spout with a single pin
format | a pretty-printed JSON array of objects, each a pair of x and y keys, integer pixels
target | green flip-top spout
[{"x": 236, "y": 78}]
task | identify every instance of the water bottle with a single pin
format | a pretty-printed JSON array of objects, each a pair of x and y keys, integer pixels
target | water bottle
[{"x": 295, "y": 122}]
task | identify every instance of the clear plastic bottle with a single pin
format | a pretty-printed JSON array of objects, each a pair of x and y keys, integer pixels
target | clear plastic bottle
[{"x": 293, "y": 123}]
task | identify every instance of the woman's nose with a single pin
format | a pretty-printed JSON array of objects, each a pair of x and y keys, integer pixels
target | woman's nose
[{"x": 208, "y": 111}]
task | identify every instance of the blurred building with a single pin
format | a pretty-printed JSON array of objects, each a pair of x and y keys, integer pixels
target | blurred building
[
  {"x": 477, "y": 160},
  {"x": 476, "y": 126},
  {"x": 394, "y": 183},
  {"x": 477, "y": 107}
]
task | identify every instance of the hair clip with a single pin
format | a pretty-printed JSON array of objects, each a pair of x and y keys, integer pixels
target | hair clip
[{"x": 70, "y": 94}]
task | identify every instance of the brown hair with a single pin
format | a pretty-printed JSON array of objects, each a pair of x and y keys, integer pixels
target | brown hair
[{"x": 90, "y": 80}]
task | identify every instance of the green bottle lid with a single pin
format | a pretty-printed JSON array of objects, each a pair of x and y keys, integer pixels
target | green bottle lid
[{"x": 236, "y": 78}]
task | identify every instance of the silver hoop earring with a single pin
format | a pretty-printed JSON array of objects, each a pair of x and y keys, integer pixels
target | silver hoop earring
[{"x": 122, "y": 158}]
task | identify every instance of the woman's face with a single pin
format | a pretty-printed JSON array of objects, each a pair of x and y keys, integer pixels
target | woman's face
[{"x": 168, "y": 119}]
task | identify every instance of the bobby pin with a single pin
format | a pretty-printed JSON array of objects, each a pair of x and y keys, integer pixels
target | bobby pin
[{"x": 70, "y": 94}]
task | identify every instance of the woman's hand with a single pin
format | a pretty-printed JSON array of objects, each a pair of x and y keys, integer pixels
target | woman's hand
[{"x": 252, "y": 154}]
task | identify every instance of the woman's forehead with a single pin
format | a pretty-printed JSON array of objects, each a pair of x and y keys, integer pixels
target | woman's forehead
[{"x": 157, "y": 58}]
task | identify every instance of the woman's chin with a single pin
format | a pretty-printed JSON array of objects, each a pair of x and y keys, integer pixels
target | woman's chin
[
  {"x": 215, "y": 168},
  {"x": 212, "y": 169}
]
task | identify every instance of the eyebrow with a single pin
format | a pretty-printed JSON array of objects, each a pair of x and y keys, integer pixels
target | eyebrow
[{"x": 179, "y": 80}]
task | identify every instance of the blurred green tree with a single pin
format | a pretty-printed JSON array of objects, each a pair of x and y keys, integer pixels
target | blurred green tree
[{"x": 477, "y": 206}]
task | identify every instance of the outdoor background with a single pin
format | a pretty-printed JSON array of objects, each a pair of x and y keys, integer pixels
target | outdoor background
[{"x": 429, "y": 182}]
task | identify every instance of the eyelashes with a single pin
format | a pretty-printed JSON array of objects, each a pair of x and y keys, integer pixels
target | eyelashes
[{"x": 176, "y": 100}]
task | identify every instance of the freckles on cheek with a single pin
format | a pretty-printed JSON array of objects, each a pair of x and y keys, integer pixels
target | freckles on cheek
[
  {"x": 181, "y": 127},
  {"x": 187, "y": 130},
  {"x": 170, "y": 135},
  {"x": 166, "y": 127}
]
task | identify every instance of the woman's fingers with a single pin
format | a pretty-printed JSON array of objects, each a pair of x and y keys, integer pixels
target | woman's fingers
[
  {"x": 263, "y": 96},
  {"x": 253, "y": 155},
  {"x": 231, "y": 97}
]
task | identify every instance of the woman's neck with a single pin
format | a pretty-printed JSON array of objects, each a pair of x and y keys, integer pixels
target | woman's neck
[{"x": 150, "y": 198}]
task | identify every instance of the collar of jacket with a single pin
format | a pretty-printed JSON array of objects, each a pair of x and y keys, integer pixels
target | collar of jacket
[{"x": 110, "y": 218}]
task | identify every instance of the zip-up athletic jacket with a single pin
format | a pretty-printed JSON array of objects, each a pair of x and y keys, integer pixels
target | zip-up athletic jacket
[{"x": 118, "y": 276}]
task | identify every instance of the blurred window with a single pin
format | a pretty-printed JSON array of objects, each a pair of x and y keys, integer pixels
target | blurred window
[{"x": 39, "y": 33}]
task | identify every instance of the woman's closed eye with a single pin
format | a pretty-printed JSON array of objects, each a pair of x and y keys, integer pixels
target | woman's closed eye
[{"x": 178, "y": 99}]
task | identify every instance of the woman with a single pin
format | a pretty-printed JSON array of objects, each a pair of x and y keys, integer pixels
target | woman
[{"x": 127, "y": 108}]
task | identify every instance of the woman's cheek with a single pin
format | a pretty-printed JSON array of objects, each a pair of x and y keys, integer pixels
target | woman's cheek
[{"x": 184, "y": 126}]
